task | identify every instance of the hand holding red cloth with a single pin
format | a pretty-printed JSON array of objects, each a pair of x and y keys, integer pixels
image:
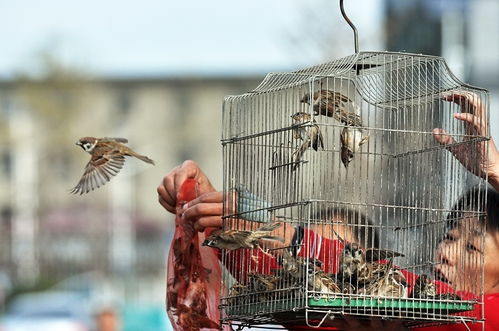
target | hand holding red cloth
[{"x": 193, "y": 274}]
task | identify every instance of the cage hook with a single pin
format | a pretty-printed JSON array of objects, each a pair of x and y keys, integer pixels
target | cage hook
[{"x": 355, "y": 33}]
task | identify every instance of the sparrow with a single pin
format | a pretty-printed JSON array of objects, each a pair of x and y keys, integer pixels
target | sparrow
[
  {"x": 107, "y": 159},
  {"x": 235, "y": 239},
  {"x": 351, "y": 139},
  {"x": 359, "y": 267},
  {"x": 334, "y": 104},
  {"x": 310, "y": 135},
  {"x": 321, "y": 281},
  {"x": 424, "y": 288},
  {"x": 263, "y": 285},
  {"x": 295, "y": 267},
  {"x": 389, "y": 283},
  {"x": 235, "y": 293}
]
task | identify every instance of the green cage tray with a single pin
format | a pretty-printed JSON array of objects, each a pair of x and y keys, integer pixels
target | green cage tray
[
  {"x": 407, "y": 307},
  {"x": 391, "y": 303}
]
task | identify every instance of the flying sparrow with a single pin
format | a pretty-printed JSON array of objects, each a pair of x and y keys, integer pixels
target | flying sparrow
[
  {"x": 235, "y": 239},
  {"x": 107, "y": 159},
  {"x": 351, "y": 139},
  {"x": 334, "y": 104},
  {"x": 310, "y": 135}
]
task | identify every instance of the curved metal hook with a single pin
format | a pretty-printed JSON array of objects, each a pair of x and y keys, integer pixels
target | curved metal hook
[{"x": 355, "y": 34}]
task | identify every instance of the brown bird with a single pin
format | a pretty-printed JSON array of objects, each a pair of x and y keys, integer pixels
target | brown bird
[
  {"x": 235, "y": 239},
  {"x": 360, "y": 267},
  {"x": 310, "y": 135},
  {"x": 323, "y": 282},
  {"x": 389, "y": 282},
  {"x": 107, "y": 159},
  {"x": 334, "y": 104},
  {"x": 351, "y": 139},
  {"x": 424, "y": 288}
]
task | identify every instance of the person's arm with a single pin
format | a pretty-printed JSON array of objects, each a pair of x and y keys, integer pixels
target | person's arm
[{"x": 472, "y": 114}]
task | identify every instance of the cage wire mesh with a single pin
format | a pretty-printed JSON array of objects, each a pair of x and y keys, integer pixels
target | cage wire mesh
[{"x": 337, "y": 169}]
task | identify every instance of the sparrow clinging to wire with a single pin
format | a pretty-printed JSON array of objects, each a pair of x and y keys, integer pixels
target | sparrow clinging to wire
[
  {"x": 310, "y": 135},
  {"x": 107, "y": 159},
  {"x": 351, "y": 139},
  {"x": 334, "y": 104},
  {"x": 235, "y": 239}
]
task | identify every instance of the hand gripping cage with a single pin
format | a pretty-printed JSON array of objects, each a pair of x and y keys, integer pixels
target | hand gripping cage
[{"x": 344, "y": 157}]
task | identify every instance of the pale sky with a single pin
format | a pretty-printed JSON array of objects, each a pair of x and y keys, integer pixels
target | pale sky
[{"x": 123, "y": 37}]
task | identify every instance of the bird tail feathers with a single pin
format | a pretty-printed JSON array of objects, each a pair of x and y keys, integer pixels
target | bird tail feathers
[
  {"x": 276, "y": 238},
  {"x": 269, "y": 227}
]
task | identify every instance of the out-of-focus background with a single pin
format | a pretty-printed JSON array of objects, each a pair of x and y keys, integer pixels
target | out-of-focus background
[{"x": 156, "y": 72}]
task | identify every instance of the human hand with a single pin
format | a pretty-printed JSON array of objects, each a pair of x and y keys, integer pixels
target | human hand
[
  {"x": 170, "y": 185},
  {"x": 350, "y": 323},
  {"x": 472, "y": 114},
  {"x": 204, "y": 211}
]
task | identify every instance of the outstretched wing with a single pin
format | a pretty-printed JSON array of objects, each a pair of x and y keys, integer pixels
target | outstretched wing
[
  {"x": 377, "y": 254},
  {"x": 99, "y": 170},
  {"x": 120, "y": 140}
]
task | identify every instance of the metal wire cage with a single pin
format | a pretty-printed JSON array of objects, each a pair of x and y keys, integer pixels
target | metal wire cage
[{"x": 342, "y": 160}]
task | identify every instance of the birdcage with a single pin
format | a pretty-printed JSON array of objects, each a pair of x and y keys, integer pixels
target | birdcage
[{"x": 338, "y": 169}]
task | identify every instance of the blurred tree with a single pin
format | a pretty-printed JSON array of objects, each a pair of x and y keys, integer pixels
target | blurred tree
[{"x": 53, "y": 93}]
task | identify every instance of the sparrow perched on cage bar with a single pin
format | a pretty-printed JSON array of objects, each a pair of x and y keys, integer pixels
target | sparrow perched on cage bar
[
  {"x": 333, "y": 104},
  {"x": 107, "y": 159},
  {"x": 351, "y": 139},
  {"x": 235, "y": 239},
  {"x": 311, "y": 135},
  {"x": 389, "y": 282}
]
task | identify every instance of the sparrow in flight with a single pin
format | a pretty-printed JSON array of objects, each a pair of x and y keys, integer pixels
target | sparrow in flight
[{"x": 107, "y": 159}]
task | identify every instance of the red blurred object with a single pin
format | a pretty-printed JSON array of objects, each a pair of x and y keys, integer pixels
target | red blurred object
[{"x": 193, "y": 276}]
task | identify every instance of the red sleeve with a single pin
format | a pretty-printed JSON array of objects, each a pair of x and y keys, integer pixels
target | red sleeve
[
  {"x": 323, "y": 249},
  {"x": 243, "y": 261}
]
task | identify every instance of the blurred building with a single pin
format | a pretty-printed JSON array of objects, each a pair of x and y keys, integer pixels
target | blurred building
[{"x": 119, "y": 230}]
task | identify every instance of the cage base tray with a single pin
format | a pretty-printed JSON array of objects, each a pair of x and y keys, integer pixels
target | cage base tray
[
  {"x": 391, "y": 307},
  {"x": 387, "y": 303}
]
